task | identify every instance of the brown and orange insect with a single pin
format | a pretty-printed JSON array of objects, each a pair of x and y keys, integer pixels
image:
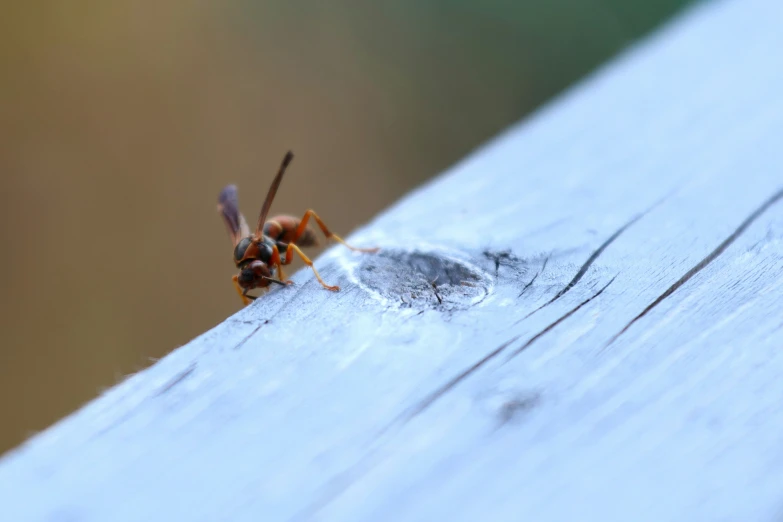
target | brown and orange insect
[{"x": 257, "y": 255}]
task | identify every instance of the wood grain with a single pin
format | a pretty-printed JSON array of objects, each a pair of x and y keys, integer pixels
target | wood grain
[{"x": 580, "y": 321}]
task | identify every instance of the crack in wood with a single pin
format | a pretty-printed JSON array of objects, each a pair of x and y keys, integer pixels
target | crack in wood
[
  {"x": 435, "y": 289},
  {"x": 704, "y": 262},
  {"x": 340, "y": 483},
  {"x": 560, "y": 320},
  {"x": 540, "y": 271},
  {"x": 174, "y": 381},
  {"x": 241, "y": 343},
  {"x": 590, "y": 260},
  {"x": 181, "y": 376},
  {"x": 586, "y": 265},
  {"x": 437, "y": 394}
]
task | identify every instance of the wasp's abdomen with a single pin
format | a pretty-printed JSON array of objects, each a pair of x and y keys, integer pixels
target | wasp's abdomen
[{"x": 282, "y": 229}]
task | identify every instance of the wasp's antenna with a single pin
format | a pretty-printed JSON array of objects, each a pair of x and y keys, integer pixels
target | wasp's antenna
[{"x": 270, "y": 196}]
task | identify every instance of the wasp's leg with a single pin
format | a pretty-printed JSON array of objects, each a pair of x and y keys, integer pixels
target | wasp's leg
[
  {"x": 329, "y": 235},
  {"x": 245, "y": 299},
  {"x": 278, "y": 264},
  {"x": 289, "y": 256},
  {"x": 281, "y": 274}
]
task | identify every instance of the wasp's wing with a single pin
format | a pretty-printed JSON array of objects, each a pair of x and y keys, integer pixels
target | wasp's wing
[
  {"x": 228, "y": 206},
  {"x": 270, "y": 196}
]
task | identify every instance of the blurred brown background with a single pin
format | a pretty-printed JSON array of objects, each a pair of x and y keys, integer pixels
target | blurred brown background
[{"x": 121, "y": 121}]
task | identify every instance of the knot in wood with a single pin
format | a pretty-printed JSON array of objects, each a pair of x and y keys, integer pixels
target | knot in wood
[{"x": 424, "y": 280}]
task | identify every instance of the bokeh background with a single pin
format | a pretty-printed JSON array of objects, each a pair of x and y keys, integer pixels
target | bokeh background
[{"x": 121, "y": 121}]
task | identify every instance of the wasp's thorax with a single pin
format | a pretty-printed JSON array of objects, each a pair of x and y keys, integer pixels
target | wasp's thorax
[{"x": 249, "y": 249}]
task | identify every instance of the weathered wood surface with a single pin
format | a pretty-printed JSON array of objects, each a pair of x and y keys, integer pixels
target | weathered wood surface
[{"x": 614, "y": 354}]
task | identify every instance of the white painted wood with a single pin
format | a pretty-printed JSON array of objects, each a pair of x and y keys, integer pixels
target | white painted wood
[{"x": 530, "y": 393}]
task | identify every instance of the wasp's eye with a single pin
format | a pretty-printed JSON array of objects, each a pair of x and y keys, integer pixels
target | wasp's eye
[{"x": 246, "y": 278}]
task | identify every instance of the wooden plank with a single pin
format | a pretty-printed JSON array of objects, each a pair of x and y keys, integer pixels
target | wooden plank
[{"x": 602, "y": 341}]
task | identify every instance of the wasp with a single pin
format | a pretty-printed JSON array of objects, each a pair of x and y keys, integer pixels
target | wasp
[{"x": 258, "y": 255}]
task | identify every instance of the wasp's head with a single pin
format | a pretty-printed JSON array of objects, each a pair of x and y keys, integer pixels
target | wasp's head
[{"x": 254, "y": 274}]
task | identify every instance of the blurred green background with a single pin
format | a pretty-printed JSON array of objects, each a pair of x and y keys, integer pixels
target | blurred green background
[{"x": 121, "y": 121}]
